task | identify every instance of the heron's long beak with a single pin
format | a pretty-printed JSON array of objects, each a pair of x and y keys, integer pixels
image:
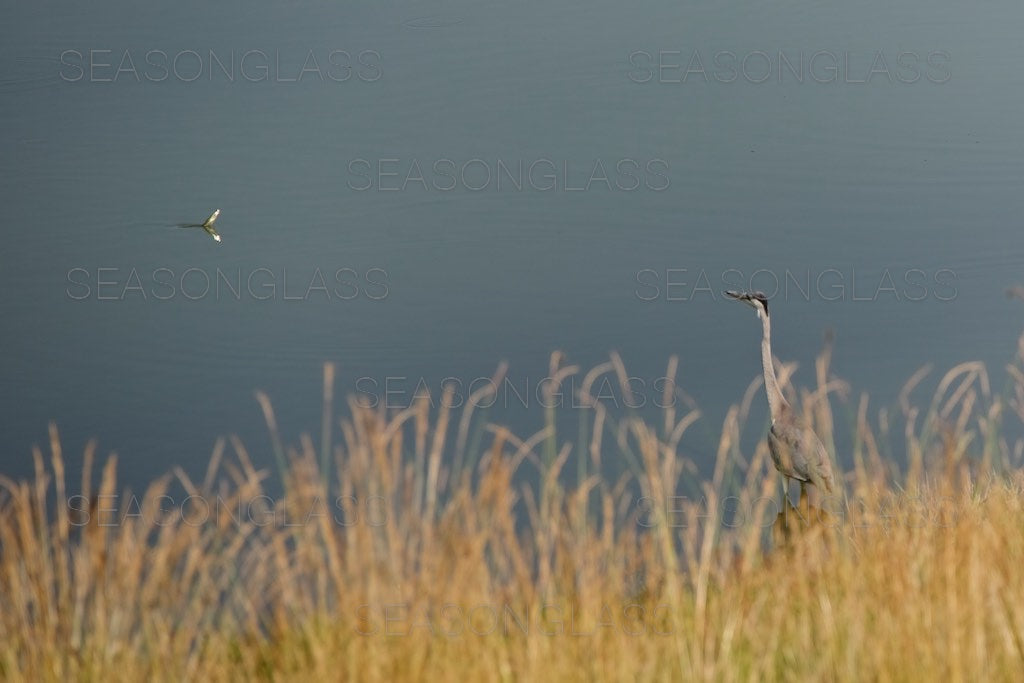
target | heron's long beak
[{"x": 741, "y": 296}]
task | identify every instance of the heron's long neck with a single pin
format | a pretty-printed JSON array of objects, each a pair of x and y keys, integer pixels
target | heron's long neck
[{"x": 776, "y": 401}]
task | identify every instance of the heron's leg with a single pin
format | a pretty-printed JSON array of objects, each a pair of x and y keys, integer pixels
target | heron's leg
[
  {"x": 792, "y": 513},
  {"x": 804, "y": 504},
  {"x": 781, "y": 528}
]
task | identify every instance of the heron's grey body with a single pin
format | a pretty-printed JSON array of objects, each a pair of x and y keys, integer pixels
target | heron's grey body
[
  {"x": 206, "y": 225},
  {"x": 799, "y": 454},
  {"x": 796, "y": 450}
]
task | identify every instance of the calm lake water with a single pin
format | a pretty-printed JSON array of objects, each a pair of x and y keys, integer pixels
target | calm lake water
[{"x": 419, "y": 190}]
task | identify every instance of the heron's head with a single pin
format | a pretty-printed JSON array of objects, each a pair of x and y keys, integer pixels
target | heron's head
[{"x": 756, "y": 300}]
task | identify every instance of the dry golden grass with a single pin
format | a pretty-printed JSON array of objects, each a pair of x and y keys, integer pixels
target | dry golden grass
[{"x": 438, "y": 549}]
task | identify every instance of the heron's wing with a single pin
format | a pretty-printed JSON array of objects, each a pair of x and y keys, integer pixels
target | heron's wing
[
  {"x": 211, "y": 232},
  {"x": 213, "y": 216},
  {"x": 822, "y": 463},
  {"x": 784, "y": 444},
  {"x": 800, "y": 449}
]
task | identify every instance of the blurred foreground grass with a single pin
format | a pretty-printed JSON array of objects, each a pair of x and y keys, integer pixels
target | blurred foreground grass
[{"x": 430, "y": 544}]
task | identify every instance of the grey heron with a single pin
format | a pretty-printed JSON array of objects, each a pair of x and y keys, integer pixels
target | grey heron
[
  {"x": 206, "y": 225},
  {"x": 795, "y": 449}
]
